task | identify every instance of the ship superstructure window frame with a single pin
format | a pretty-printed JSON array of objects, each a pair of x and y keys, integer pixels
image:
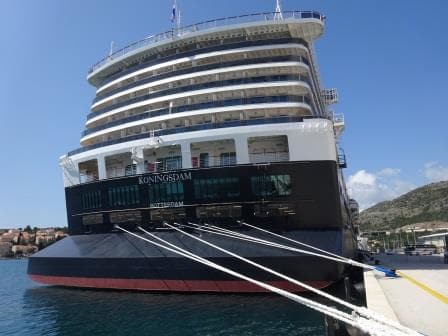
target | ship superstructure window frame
[
  {"x": 271, "y": 185},
  {"x": 215, "y": 188},
  {"x": 91, "y": 200},
  {"x": 124, "y": 195},
  {"x": 166, "y": 192}
]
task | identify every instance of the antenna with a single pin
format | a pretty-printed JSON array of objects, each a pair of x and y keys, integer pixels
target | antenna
[
  {"x": 175, "y": 15},
  {"x": 278, "y": 11},
  {"x": 111, "y": 51}
]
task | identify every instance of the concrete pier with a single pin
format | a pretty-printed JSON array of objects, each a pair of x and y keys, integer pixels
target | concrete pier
[{"x": 418, "y": 298}]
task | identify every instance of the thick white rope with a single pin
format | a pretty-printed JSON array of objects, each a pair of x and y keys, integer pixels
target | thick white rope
[
  {"x": 347, "y": 318},
  {"x": 357, "y": 321},
  {"x": 348, "y": 260},
  {"x": 360, "y": 310},
  {"x": 233, "y": 234}
]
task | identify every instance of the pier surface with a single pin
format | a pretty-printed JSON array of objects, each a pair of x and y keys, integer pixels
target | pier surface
[{"x": 418, "y": 298}]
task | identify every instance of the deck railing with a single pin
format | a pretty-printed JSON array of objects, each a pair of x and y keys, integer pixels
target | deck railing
[
  {"x": 207, "y": 126},
  {"x": 181, "y": 32},
  {"x": 201, "y": 106},
  {"x": 268, "y": 157}
]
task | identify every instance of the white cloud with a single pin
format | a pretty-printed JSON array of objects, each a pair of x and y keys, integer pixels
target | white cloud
[
  {"x": 435, "y": 172},
  {"x": 370, "y": 188}
]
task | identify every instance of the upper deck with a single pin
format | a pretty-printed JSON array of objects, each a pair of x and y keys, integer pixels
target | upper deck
[{"x": 304, "y": 24}]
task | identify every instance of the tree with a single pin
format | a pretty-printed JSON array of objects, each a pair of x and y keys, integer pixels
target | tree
[{"x": 28, "y": 229}]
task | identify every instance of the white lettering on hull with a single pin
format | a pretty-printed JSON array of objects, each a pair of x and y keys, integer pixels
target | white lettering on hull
[
  {"x": 166, "y": 205},
  {"x": 164, "y": 178}
]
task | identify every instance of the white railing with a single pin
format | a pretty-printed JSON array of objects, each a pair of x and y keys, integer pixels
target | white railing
[
  {"x": 180, "y": 32},
  {"x": 268, "y": 157},
  {"x": 85, "y": 178}
]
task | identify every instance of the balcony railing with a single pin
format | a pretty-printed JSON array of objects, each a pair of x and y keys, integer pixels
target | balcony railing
[
  {"x": 268, "y": 157},
  {"x": 160, "y": 58},
  {"x": 85, "y": 178},
  {"x": 196, "y": 69},
  {"x": 209, "y": 85},
  {"x": 209, "y": 126},
  {"x": 224, "y": 159},
  {"x": 201, "y": 106},
  {"x": 181, "y": 32}
]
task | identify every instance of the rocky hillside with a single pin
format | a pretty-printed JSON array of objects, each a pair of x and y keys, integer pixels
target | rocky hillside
[{"x": 425, "y": 204}]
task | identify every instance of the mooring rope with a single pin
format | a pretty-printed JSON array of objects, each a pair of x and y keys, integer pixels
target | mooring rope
[
  {"x": 388, "y": 272},
  {"x": 307, "y": 302},
  {"x": 233, "y": 234},
  {"x": 360, "y": 310},
  {"x": 368, "y": 325}
]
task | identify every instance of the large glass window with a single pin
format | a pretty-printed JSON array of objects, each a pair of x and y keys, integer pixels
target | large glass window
[
  {"x": 169, "y": 163},
  {"x": 130, "y": 170},
  {"x": 217, "y": 188},
  {"x": 228, "y": 159},
  {"x": 91, "y": 200},
  {"x": 203, "y": 160},
  {"x": 124, "y": 195},
  {"x": 166, "y": 192},
  {"x": 271, "y": 185}
]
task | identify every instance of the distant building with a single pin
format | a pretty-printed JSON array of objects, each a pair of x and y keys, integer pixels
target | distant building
[
  {"x": 440, "y": 240},
  {"x": 5, "y": 249},
  {"x": 23, "y": 249},
  {"x": 7, "y": 237}
]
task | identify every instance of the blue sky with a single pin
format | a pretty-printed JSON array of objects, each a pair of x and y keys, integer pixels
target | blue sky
[{"x": 388, "y": 60}]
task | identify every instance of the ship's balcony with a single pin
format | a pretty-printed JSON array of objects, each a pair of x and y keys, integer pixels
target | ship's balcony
[
  {"x": 218, "y": 64},
  {"x": 201, "y": 127},
  {"x": 209, "y": 88},
  {"x": 151, "y": 119},
  {"x": 182, "y": 77},
  {"x": 238, "y": 142},
  {"x": 196, "y": 101},
  {"x": 306, "y": 24},
  {"x": 236, "y": 75}
]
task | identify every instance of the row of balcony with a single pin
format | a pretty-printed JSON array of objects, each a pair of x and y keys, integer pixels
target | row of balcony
[
  {"x": 192, "y": 70},
  {"x": 174, "y": 163},
  {"x": 216, "y": 84},
  {"x": 202, "y": 106},
  {"x": 181, "y": 32},
  {"x": 208, "y": 126}
]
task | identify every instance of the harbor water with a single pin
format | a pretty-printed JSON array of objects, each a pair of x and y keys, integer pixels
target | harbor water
[{"x": 28, "y": 308}]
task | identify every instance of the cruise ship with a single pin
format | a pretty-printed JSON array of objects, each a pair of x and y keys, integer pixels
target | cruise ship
[{"x": 222, "y": 122}]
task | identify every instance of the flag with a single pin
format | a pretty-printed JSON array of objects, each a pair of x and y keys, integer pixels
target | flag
[{"x": 173, "y": 14}]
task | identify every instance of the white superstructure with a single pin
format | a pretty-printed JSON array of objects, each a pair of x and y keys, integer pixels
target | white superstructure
[{"x": 233, "y": 91}]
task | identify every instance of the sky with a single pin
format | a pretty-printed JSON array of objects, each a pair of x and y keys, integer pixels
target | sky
[{"x": 388, "y": 60}]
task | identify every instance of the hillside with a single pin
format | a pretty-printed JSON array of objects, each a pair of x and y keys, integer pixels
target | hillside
[{"x": 422, "y": 205}]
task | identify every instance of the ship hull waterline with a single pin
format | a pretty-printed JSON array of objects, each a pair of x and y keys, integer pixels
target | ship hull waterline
[{"x": 122, "y": 262}]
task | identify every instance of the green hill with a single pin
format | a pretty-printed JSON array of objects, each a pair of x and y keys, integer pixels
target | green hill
[{"x": 425, "y": 204}]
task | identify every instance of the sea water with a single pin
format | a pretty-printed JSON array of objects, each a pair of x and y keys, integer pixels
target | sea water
[{"x": 27, "y": 308}]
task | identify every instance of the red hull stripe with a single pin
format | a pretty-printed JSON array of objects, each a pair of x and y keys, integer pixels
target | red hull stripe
[{"x": 232, "y": 286}]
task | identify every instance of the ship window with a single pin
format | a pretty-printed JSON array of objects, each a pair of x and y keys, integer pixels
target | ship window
[
  {"x": 203, "y": 160},
  {"x": 220, "y": 211},
  {"x": 228, "y": 159},
  {"x": 166, "y": 192},
  {"x": 271, "y": 185},
  {"x": 272, "y": 210},
  {"x": 91, "y": 200},
  {"x": 92, "y": 219},
  {"x": 125, "y": 217},
  {"x": 169, "y": 163},
  {"x": 217, "y": 188},
  {"x": 124, "y": 195},
  {"x": 168, "y": 214},
  {"x": 130, "y": 170}
]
